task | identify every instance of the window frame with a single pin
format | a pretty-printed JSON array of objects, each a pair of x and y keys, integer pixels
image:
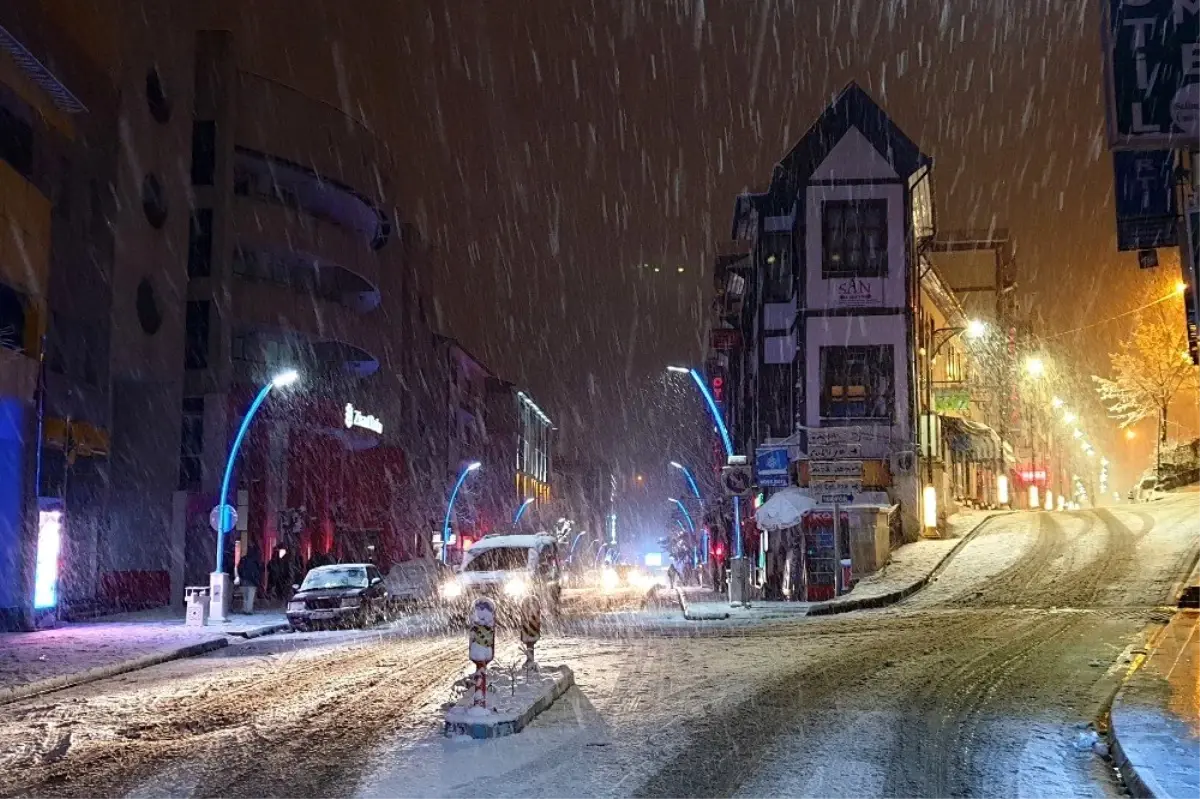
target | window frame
[
  {"x": 880, "y": 361},
  {"x": 841, "y": 268}
]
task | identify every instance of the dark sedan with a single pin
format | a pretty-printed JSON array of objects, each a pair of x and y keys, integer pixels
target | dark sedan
[{"x": 340, "y": 595}]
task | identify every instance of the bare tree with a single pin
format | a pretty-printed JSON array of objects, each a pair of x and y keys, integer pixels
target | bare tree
[{"x": 1149, "y": 369}]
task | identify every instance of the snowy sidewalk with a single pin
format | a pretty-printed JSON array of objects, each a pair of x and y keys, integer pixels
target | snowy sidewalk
[
  {"x": 908, "y": 569},
  {"x": 74, "y": 653},
  {"x": 1156, "y": 715}
]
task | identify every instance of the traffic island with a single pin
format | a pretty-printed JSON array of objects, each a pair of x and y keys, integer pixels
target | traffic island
[{"x": 513, "y": 700}]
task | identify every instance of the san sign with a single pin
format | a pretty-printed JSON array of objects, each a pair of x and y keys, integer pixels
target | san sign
[{"x": 1152, "y": 65}]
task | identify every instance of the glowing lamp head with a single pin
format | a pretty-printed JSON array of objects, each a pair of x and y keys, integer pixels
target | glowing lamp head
[
  {"x": 1180, "y": 287},
  {"x": 678, "y": 369},
  {"x": 1035, "y": 366},
  {"x": 285, "y": 378},
  {"x": 676, "y": 465},
  {"x": 474, "y": 466},
  {"x": 976, "y": 328}
]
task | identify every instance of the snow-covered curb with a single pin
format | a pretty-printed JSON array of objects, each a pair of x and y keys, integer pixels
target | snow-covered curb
[
  {"x": 849, "y": 603},
  {"x": 36, "y": 687},
  {"x": 461, "y": 722},
  {"x": 686, "y": 607}
]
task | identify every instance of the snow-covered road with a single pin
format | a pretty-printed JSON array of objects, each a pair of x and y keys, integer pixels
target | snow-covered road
[{"x": 974, "y": 686}]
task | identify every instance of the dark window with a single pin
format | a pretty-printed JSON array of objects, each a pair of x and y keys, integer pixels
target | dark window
[
  {"x": 854, "y": 237},
  {"x": 857, "y": 382},
  {"x": 195, "y": 346},
  {"x": 200, "y": 241},
  {"x": 776, "y": 255},
  {"x": 16, "y": 142},
  {"x": 154, "y": 201},
  {"x": 12, "y": 318},
  {"x": 204, "y": 153},
  {"x": 191, "y": 445},
  {"x": 776, "y": 387},
  {"x": 146, "y": 304},
  {"x": 156, "y": 97}
]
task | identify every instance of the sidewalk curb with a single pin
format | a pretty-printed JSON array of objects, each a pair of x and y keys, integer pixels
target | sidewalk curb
[
  {"x": 482, "y": 730},
  {"x": 103, "y": 672},
  {"x": 892, "y": 597},
  {"x": 1140, "y": 785},
  {"x": 689, "y": 616},
  {"x": 266, "y": 629}
]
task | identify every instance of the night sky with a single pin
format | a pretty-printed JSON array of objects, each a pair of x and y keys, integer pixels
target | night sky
[{"x": 548, "y": 149}]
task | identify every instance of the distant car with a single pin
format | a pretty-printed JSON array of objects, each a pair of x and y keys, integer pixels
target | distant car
[
  {"x": 1148, "y": 491},
  {"x": 508, "y": 568},
  {"x": 345, "y": 594},
  {"x": 417, "y": 581}
]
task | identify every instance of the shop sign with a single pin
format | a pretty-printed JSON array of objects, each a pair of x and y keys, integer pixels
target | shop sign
[
  {"x": 951, "y": 399},
  {"x": 858, "y": 292},
  {"x": 1144, "y": 182},
  {"x": 724, "y": 339},
  {"x": 356, "y": 418},
  {"x": 1153, "y": 81},
  {"x": 771, "y": 466}
]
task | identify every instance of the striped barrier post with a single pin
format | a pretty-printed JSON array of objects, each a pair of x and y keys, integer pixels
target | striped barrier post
[
  {"x": 481, "y": 639},
  {"x": 531, "y": 628}
]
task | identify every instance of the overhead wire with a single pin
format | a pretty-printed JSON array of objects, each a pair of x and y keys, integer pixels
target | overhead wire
[{"x": 1113, "y": 318}]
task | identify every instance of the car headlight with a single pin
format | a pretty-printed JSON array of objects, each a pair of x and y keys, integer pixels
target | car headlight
[
  {"x": 296, "y": 605},
  {"x": 451, "y": 589},
  {"x": 351, "y": 602},
  {"x": 609, "y": 580},
  {"x": 516, "y": 587}
]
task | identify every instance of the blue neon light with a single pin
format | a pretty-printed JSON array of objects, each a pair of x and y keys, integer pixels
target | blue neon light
[
  {"x": 716, "y": 412},
  {"x": 462, "y": 476},
  {"x": 237, "y": 445},
  {"x": 521, "y": 510}
]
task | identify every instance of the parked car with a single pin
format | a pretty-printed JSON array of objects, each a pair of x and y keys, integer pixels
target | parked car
[
  {"x": 343, "y": 594},
  {"x": 508, "y": 568},
  {"x": 1148, "y": 490},
  {"x": 417, "y": 581}
]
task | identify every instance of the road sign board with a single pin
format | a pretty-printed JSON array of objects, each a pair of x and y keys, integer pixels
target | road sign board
[
  {"x": 846, "y": 468},
  {"x": 838, "y": 499},
  {"x": 1153, "y": 86},
  {"x": 736, "y": 480},
  {"x": 835, "y": 451},
  {"x": 231, "y": 517},
  {"x": 819, "y": 486},
  {"x": 774, "y": 480}
]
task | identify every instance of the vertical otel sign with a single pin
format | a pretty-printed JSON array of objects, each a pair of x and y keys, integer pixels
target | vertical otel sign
[{"x": 1152, "y": 64}]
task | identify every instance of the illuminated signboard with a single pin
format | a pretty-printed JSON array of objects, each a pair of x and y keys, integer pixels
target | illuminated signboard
[
  {"x": 356, "y": 418},
  {"x": 45, "y": 582}
]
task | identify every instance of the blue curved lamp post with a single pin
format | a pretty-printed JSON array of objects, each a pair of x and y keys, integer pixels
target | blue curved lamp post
[
  {"x": 690, "y": 526},
  {"x": 688, "y": 474},
  {"x": 521, "y": 510},
  {"x": 285, "y": 378},
  {"x": 462, "y": 476},
  {"x": 724, "y": 431}
]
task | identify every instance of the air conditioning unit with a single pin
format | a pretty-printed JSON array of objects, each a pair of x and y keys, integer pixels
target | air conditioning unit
[{"x": 903, "y": 462}]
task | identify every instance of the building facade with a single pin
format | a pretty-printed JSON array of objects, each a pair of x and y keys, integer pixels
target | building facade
[
  {"x": 179, "y": 229},
  {"x": 837, "y": 342}
]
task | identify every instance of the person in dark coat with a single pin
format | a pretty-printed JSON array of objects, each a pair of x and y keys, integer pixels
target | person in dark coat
[{"x": 250, "y": 572}]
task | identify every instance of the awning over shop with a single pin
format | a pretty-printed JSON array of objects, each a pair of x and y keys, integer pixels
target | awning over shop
[
  {"x": 784, "y": 509},
  {"x": 970, "y": 440}
]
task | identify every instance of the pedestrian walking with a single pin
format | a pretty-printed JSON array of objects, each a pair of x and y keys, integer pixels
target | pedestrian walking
[
  {"x": 250, "y": 569},
  {"x": 672, "y": 575}
]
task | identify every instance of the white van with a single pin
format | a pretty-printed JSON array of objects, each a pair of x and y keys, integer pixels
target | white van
[
  {"x": 509, "y": 568},
  {"x": 1147, "y": 490}
]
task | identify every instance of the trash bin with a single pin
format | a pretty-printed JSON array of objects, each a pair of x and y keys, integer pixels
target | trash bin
[{"x": 196, "y": 598}]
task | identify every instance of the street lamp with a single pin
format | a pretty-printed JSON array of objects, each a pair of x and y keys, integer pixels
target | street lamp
[
  {"x": 219, "y": 581},
  {"x": 688, "y": 474},
  {"x": 521, "y": 510},
  {"x": 470, "y": 467},
  {"x": 728, "y": 443},
  {"x": 1035, "y": 366}
]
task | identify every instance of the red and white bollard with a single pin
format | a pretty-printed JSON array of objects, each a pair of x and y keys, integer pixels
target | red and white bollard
[
  {"x": 531, "y": 628},
  {"x": 481, "y": 638}
]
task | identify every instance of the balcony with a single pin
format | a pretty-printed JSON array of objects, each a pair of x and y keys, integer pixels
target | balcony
[
  {"x": 306, "y": 329},
  {"x": 277, "y": 119},
  {"x": 276, "y": 244}
]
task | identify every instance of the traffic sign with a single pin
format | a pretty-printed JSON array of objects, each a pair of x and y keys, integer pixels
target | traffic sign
[
  {"x": 736, "y": 480},
  {"x": 231, "y": 517},
  {"x": 836, "y": 499},
  {"x": 771, "y": 466}
]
